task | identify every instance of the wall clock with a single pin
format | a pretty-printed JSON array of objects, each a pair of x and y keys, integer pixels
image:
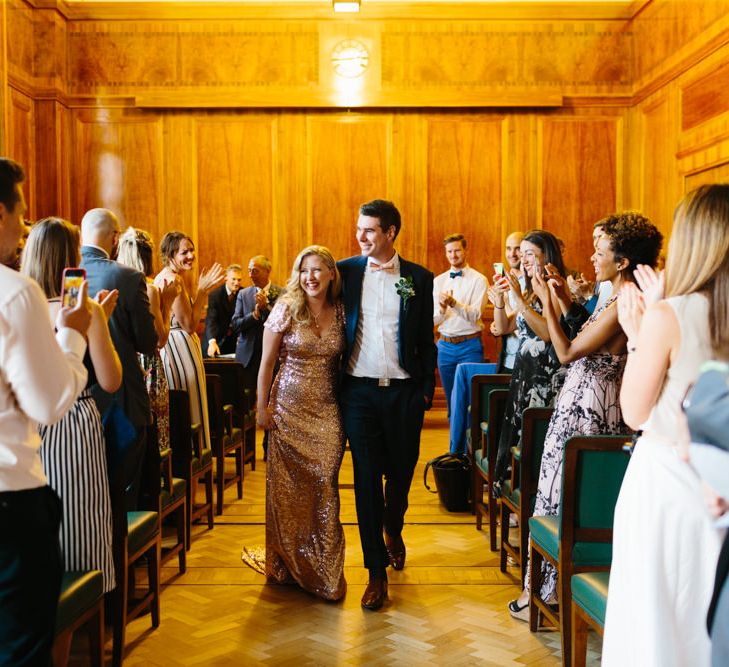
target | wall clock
[{"x": 350, "y": 58}]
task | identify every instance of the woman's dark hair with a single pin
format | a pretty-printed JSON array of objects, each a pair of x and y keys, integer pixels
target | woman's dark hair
[
  {"x": 548, "y": 243},
  {"x": 633, "y": 237},
  {"x": 170, "y": 244}
]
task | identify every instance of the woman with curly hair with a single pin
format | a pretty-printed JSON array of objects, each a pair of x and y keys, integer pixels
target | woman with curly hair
[
  {"x": 588, "y": 401},
  {"x": 305, "y": 329}
]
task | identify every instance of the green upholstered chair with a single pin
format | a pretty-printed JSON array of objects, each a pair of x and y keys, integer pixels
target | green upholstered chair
[
  {"x": 580, "y": 540},
  {"x": 487, "y": 414},
  {"x": 173, "y": 505},
  {"x": 142, "y": 540},
  {"x": 226, "y": 440},
  {"x": 589, "y": 603},
  {"x": 191, "y": 461},
  {"x": 81, "y": 603},
  {"x": 519, "y": 493}
]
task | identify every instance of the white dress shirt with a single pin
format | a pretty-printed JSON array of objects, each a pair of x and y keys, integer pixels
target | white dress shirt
[
  {"x": 469, "y": 291},
  {"x": 40, "y": 378},
  {"x": 375, "y": 351}
]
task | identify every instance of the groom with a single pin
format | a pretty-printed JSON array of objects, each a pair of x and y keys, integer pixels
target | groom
[{"x": 388, "y": 384}]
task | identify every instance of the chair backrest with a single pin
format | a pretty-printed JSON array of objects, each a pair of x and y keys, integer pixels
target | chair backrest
[
  {"x": 481, "y": 387},
  {"x": 232, "y": 381},
  {"x": 594, "y": 467},
  {"x": 490, "y": 444},
  {"x": 535, "y": 423},
  {"x": 216, "y": 417},
  {"x": 180, "y": 433}
]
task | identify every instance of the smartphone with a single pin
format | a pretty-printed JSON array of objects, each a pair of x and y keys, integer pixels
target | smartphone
[
  {"x": 73, "y": 278},
  {"x": 499, "y": 268}
]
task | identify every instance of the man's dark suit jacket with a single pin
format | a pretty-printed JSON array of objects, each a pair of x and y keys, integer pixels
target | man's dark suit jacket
[
  {"x": 218, "y": 322},
  {"x": 416, "y": 349},
  {"x": 249, "y": 330},
  {"x": 132, "y": 330}
]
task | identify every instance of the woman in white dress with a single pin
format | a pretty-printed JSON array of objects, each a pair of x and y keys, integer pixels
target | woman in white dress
[
  {"x": 664, "y": 546},
  {"x": 182, "y": 355}
]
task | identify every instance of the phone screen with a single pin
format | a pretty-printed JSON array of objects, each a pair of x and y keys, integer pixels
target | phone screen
[
  {"x": 499, "y": 268},
  {"x": 72, "y": 280}
]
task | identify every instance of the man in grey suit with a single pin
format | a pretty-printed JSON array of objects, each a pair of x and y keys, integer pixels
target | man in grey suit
[
  {"x": 252, "y": 307},
  {"x": 132, "y": 330}
]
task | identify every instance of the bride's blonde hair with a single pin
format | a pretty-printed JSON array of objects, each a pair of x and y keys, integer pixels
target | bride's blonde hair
[{"x": 295, "y": 297}]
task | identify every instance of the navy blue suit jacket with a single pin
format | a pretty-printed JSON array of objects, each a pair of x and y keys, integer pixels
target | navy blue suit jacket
[
  {"x": 250, "y": 330},
  {"x": 416, "y": 348},
  {"x": 132, "y": 330},
  {"x": 218, "y": 322}
]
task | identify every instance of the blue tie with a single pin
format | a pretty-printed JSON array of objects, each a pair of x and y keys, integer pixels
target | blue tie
[{"x": 456, "y": 274}]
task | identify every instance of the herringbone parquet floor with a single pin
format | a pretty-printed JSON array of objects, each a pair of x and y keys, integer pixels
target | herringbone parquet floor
[{"x": 448, "y": 606}]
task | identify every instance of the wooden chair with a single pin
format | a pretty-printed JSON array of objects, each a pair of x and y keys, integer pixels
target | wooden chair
[
  {"x": 142, "y": 539},
  {"x": 190, "y": 460},
  {"x": 173, "y": 503},
  {"x": 580, "y": 539},
  {"x": 487, "y": 414},
  {"x": 80, "y": 604},
  {"x": 589, "y": 603},
  {"x": 519, "y": 493},
  {"x": 225, "y": 440},
  {"x": 232, "y": 377}
]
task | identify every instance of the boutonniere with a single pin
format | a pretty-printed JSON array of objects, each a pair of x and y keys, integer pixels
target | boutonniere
[
  {"x": 273, "y": 294},
  {"x": 405, "y": 289}
]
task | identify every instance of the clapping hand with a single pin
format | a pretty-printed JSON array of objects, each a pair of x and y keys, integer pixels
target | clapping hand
[
  {"x": 650, "y": 283},
  {"x": 513, "y": 280},
  {"x": 170, "y": 290},
  {"x": 540, "y": 286},
  {"x": 211, "y": 278},
  {"x": 580, "y": 288},
  {"x": 631, "y": 306},
  {"x": 107, "y": 300}
]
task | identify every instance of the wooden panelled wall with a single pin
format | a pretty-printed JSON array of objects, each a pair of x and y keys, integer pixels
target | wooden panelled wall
[{"x": 643, "y": 117}]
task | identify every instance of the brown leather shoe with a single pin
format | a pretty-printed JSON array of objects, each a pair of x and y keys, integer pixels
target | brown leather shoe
[
  {"x": 396, "y": 551},
  {"x": 375, "y": 594}
]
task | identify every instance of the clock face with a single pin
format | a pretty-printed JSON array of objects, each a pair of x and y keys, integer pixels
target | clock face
[{"x": 350, "y": 58}]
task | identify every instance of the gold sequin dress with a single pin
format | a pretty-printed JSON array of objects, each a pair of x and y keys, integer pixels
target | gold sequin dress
[{"x": 304, "y": 537}]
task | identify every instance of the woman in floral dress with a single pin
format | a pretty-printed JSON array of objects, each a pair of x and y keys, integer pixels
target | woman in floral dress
[
  {"x": 537, "y": 374},
  {"x": 588, "y": 403}
]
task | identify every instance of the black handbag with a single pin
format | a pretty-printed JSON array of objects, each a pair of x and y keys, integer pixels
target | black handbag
[{"x": 452, "y": 475}]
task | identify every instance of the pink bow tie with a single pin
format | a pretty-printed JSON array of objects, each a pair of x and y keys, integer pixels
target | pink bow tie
[{"x": 388, "y": 267}]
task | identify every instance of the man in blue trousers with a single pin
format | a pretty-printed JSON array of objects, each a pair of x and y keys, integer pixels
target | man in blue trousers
[{"x": 458, "y": 298}]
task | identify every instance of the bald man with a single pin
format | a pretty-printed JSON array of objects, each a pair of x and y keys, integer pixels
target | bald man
[
  {"x": 132, "y": 330},
  {"x": 509, "y": 340}
]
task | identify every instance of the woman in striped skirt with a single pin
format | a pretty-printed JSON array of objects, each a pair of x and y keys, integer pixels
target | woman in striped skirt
[
  {"x": 182, "y": 355},
  {"x": 73, "y": 450}
]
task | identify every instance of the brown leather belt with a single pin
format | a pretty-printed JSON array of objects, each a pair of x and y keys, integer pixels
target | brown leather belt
[{"x": 460, "y": 339}]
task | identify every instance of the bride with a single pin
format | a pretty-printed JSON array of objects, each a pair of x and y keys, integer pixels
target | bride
[{"x": 305, "y": 330}]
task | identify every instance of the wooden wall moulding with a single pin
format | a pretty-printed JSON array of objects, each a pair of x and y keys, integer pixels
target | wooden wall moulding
[
  {"x": 587, "y": 58},
  {"x": 706, "y": 98}
]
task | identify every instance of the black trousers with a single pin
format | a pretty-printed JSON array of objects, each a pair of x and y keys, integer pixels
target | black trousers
[
  {"x": 30, "y": 575},
  {"x": 383, "y": 427}
]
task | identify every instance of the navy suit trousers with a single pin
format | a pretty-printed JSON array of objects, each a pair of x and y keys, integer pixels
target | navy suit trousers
[{"x": 383, "y": 427}]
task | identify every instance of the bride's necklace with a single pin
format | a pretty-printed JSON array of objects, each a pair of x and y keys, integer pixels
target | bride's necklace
[{"x": 316, "y": 316}]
